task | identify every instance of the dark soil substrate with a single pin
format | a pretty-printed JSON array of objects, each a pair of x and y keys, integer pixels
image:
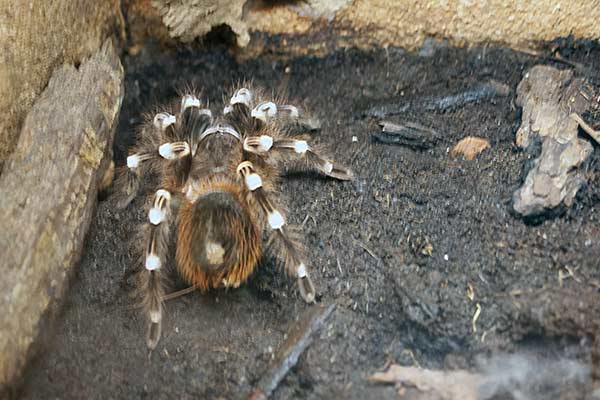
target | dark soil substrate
[{"x": 368, "y": 241}]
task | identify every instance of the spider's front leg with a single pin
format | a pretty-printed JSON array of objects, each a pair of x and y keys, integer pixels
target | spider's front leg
[
  {"x": 152, "y": 290},
  {"x": 290, "y": 149},
  {"x": 146, "y": 156},
  {"x": 167, "y": 138},
  {"x": 290, "y": 251}
]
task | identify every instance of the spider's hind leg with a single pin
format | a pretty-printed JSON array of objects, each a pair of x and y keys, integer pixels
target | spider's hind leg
[{"x": 151, "y": 278}]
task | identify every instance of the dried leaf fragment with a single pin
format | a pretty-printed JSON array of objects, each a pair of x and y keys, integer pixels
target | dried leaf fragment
[{"x": 470, "y": 147}]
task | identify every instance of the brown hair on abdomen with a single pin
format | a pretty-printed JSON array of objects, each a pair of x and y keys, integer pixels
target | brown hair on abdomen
[{"x": 218, "y": 243}]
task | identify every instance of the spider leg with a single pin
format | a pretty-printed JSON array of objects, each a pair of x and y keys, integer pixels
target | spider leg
[
  {"x": 290, "y": 150},
  {"x": 250, "y": 110},
  {"x": 293, "y": 122},
  {"x": 152, "y": 278},
  {"x": 195, "y": 120},
  {"x": 127, "y": 183},
  {"x": 157, "y": 144},
  {"x": 290, "y": 251}
]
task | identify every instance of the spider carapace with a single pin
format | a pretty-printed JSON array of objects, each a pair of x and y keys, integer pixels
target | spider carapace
[{"x": 218, "y": 189}]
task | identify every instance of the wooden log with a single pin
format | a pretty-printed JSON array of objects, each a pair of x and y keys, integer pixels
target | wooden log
[{"x": 49, "y": 188}]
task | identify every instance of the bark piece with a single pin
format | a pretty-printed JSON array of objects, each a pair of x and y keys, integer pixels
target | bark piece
[
  {"x": 49, "y": 188},
  {"x": 407, "y": 134},
  {"x": 35, "y": 37},
  {"x": 548, "y": 97},
  {"x": 327, "y": 25},
  {"x": 191, "y": 19},
  {"x": 470, "y": 147},
  {"x": 404, "y": 23}
]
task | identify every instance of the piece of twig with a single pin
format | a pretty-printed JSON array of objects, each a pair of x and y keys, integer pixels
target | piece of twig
[
  {"x": 368, "y": 250},
  {"x": 557, "y": 57},
  {"x": 476, "y": 317},
  {"x": 481, "y": 91},
  {"x": 407, "y": 134},
  {"x": 594, "y": 134},
  {"x": 298, "y": 339}
]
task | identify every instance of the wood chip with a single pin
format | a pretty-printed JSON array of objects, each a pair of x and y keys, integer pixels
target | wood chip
[
  {"x": 552, "y": 100},
  {"x": 408, "y": 134},
  {"x": 470, "y": 147}
]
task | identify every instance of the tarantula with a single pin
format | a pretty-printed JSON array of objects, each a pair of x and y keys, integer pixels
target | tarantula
[{"x": 218, "y": 187}]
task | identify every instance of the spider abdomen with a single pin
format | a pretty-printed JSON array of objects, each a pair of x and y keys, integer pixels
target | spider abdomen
[{"x": 218, "y": 243}]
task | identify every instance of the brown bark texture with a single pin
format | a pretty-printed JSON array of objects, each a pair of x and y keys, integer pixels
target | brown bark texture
[
  {"x": 329, "y": 24},
  {"x": 37, "y": 36},
  {"x": 49, "y": 188},
  {"x": 549, "y": 96}
]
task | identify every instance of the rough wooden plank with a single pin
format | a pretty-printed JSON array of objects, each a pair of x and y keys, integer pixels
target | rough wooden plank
[
  {"x": 49, "y": 188},
  {"x": 35, "y": 37}
]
